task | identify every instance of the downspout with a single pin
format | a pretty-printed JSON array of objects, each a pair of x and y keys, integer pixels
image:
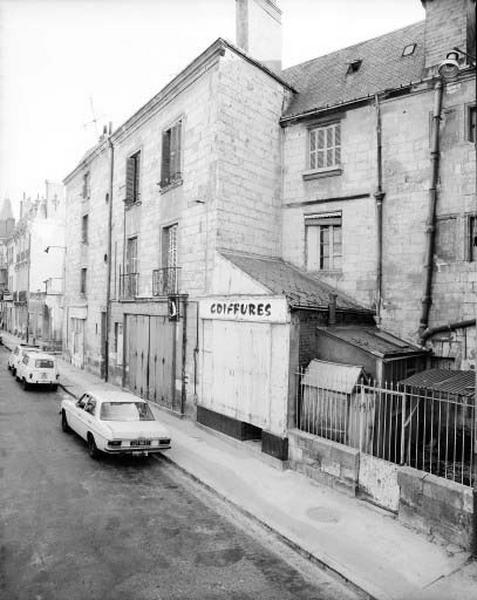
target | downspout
[
  {"x": 449, "y": 327},
  {"x": 184, "y": 357},
  {"x": 379, "y": 196},
  {"x": 431, "y": 221},
  {"x": 110, "y": 245}
]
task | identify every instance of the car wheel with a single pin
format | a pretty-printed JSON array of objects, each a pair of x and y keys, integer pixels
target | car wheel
[
  {"x": 25, "y": 385},
  {"x": 14, "y": 372},
  {"x": 92, "y": 448},
  {"x": 64, "y": 423}
]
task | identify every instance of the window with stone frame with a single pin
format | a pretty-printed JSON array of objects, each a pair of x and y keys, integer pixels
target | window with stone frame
[
  {"x": 84, "y": 229},
  {"x": 83, "y": 280},
  {"x": 86, "y": 191},
  {"x": 171, "y": 163},
  {"x": 133, "y": 181},
  {"x": 323, "y": 236},
  {"x": 324, "y": 147},
  {"x": 471, "y": 238},
  {"x": 470, "y": 123}
]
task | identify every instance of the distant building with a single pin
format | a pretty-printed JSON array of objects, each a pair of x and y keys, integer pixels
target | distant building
[
  {"x": 241, "y": 222},
  {"x": 34, "y": 306}
]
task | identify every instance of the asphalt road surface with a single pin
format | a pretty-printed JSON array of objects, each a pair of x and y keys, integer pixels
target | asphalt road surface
[{"x": 73, "y": 528}]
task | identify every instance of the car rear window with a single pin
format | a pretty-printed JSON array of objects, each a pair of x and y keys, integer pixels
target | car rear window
[
  {"x": 44, "y": 363},
  {"x": 126, "y": 411}
]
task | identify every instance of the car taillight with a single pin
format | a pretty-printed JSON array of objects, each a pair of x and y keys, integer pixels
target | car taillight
[{"x": 114, "y": 443}]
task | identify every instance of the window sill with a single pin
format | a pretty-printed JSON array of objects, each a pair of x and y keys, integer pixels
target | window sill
[
  {"x": 319, "y": 173},
  {"x": 129, "y": 205},
  {"x": 171, "y": 186}
]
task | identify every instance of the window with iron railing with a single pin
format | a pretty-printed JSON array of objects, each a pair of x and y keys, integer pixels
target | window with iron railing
[{"x": 165, "y": 281}]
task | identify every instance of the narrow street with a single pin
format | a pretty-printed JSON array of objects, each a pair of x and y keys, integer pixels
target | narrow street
[{"x": 74, "y": 528}]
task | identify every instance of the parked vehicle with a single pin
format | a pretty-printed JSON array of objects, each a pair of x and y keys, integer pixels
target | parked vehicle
[
  {"x": 114, "y": 422},
  {"x": 38, "y": 368},
  {"x": 17, "y": 354}
]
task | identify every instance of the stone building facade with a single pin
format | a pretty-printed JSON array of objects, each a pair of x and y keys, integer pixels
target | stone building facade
[{"x": 241, "y": 208}]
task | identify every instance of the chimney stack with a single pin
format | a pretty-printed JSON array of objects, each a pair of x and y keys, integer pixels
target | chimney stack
[{"x": 259, "y": 31}]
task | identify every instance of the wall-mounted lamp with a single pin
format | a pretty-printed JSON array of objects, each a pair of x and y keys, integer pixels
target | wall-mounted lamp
[
  {"x": 449, "y": 68},
  {"x": 47, "y": 249}
]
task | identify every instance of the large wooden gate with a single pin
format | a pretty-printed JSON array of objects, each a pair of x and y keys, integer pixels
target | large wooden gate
[{"x": 150, "y": 358}]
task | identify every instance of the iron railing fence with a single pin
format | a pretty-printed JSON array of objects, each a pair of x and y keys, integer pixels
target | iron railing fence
[
  {"x": 165, "y": 281},
  {"x": 128, "y": 285},
  {"x": 425, "y": 429}
]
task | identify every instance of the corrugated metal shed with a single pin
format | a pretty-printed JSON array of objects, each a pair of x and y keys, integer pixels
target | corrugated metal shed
[
  {"x": 325, "y": 81},
  {"x": 444, "y": 380},
  {"x": 332, "y": 376},
  {"x": 299, "y": 288}
]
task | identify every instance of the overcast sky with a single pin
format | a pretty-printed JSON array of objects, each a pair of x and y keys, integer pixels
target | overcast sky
[{"x": 67, "y": 63}]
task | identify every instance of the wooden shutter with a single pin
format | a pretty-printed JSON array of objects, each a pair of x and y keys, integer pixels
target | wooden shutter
[
  {"x": 166, "y": 158},
  {"x": 176, "y": 151},
  {"x": 137, "y": 171},
  {"x": 130, "y": 178}
]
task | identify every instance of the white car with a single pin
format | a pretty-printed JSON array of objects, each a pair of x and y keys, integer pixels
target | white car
[
  {"x": 17, "y": 355},
  {"x": 114, "y": 422},
  {"x": 37, "y": 368}
]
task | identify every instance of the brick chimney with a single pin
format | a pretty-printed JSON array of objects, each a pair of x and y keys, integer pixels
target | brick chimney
[
  {"x": 448, "y": 24},
  {"x": 259, "y": 31}
]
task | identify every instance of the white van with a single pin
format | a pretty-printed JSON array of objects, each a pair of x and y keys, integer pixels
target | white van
[
  {"x": 17, "y": 354},
  {"x": 38, "y": 368}
]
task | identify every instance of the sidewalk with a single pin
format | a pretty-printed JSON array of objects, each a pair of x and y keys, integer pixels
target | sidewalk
[{"x": 365, "y": 545}]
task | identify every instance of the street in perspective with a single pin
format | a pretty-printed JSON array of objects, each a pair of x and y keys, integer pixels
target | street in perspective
[
  {"x": 238, "y": 300},
  {"x": 123, "y": 528}
]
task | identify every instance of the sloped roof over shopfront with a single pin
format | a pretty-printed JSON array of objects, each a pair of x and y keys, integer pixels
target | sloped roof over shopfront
[{"x": 300, "y": 289}]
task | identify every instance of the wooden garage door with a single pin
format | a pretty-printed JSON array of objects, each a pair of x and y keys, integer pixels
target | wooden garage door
[{"x": 150, "y": 363}]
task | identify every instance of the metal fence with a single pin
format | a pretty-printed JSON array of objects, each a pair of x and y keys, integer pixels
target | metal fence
[{"x": 421, "y": 428}]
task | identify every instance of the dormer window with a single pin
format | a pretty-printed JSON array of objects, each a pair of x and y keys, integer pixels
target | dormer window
[
  {"x": 353, "y": 66},
  {"x": 408, "y": 50}
]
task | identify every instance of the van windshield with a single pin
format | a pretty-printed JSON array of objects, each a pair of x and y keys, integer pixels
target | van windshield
[{"x": 44, "y": 363}]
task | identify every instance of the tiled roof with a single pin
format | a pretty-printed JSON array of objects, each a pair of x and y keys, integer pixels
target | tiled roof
[
  {"x": 371, "y": 339},
  {"x": 300, "y": 288},
  {"x": 444, "y": 380},
  {"x": 324, "y": 81}
]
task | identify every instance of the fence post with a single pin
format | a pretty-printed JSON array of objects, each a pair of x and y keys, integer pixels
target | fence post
[
  {"x": 361, "y": 411},
  {"x": 403, "y": 428}
]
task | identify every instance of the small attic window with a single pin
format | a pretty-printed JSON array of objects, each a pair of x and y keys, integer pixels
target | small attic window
[
  {"x": 354, "y": 66},
  {"x": 408, "y": 50}
]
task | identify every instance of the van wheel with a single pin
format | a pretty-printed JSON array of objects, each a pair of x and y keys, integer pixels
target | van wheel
[
  {"x": 64, "y": 423},
  {"x": 25, "y": 385},
  {"x": 92, "y": 448}
]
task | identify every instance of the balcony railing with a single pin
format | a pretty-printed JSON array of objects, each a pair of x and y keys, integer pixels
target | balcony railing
[
  {"x": 128, "y": 285},
  {"x": 165, "y": 281}
]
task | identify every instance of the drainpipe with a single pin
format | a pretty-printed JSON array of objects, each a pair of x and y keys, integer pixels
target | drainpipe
[
  {"x": 449, "y": 327},
  {"x": 184, "y": 356},
  {"x": 379, "y": 196},
  {"x": 110, "y": 235},
  {"x": 431, "y": 221}
]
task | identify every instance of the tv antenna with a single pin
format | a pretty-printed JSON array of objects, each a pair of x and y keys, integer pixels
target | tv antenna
[{"x": 94, "y": 120}]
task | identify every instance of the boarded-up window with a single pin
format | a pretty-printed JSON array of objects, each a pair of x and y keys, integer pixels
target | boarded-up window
[
  {"x": 133, "y": 178},
  {"x": 446, "y": 242},
  {"x": 324, "y": 149},
  {"x": 171, "y": 167},
  {"x": 323, "y": 242}
]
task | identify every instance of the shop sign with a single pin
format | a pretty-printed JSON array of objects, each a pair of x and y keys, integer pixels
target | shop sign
[{"x": 245, "y": 308}]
